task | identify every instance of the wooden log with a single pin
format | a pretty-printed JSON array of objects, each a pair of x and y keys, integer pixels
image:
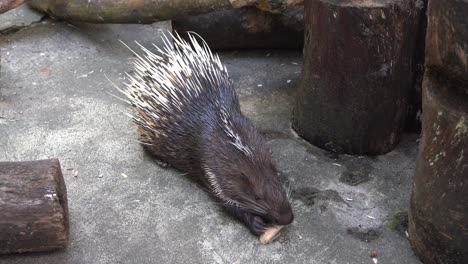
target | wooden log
[
  {"x": 357, "y": 74},
  {"x": 6, "y": 5},
  {"x": 143, "y": 11},
  {"x": 33, "y": 207},
  {"x": 438, "y": 218},
  {"x": 438, "y": 225},
  {"x": 447, "y": 37},
  {"x": 246, "y": 28}
]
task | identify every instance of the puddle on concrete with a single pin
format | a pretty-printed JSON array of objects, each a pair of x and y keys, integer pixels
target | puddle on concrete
[
  {"x": 354, "y": 177},
  {"x": 357, "y": 170},
  {"x": 399, "y": 222},
  {"x": 365, "y": 235},
  {"x": 308, "y": 195}
]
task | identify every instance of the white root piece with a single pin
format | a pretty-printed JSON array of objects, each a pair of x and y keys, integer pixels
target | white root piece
[{"x": 270, "y": 234}]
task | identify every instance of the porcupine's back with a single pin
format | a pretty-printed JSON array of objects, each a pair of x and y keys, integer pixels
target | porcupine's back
[{"x": 177, "y": 94}]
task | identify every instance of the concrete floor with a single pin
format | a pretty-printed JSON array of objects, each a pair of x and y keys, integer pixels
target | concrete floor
[{"x": 55, "y": 102}]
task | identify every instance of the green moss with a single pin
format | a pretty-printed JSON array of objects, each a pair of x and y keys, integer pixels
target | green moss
[{"x": 399, "y": 221}]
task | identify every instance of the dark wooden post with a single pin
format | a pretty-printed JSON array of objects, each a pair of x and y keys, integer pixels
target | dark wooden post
[
  {"x": 357, "y": 74},
  {"x": 438, "y": 218},
  {"x": 33, "y": 207},
  {"x": 247, "y": 28}
]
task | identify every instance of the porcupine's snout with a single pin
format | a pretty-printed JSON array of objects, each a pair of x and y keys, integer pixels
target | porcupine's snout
[
  {"x": 285, "y": 217},
  {"x": 258, "y": 224},
  {"x": 276, "y": 200},
  {"x": 282, "y": 215}
]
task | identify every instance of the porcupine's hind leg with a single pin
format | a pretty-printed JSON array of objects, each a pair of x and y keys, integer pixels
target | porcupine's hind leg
[
  {"x": 151, "y": 149},
  {"x": 151, "y": 152}
]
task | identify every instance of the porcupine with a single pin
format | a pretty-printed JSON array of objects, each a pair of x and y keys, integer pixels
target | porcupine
[{"x": 188, "y": 116}]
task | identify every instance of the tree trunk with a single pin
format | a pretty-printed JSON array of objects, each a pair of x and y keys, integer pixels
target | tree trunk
[
  {"x": 438, "y": 225},
  {"x": 33, "y": 207},
  {"x": 247, "y": 28},
  {"x": 357, "y": 74},
  {"x": 438, "y": 222},
  {"x": 447, "y": 37}
]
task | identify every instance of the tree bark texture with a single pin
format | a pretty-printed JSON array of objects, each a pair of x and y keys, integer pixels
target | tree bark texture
[
  {"x": 247, "y": 28},
  {"x": 438, "y": 222},
  {"x": 6, "y": 5},
  {"x": 144, "y": 11},
  {"x": 357, "y": 74},
  {"x": 438, "y": 218},
  {"x": 33, "y": 207},
  {"x": 447, "y": 37}
]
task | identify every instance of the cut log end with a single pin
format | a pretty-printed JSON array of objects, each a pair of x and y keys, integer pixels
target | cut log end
[
  {"x": 33, "y": 207},
  {"x": 270, "y": 234}
]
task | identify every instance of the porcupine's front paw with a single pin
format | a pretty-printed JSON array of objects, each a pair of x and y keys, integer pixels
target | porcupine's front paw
[{"x": 255, "y": 224}]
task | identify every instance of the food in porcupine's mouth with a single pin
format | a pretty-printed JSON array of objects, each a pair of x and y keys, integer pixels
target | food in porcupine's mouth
[
  {"x": 188, "y": 116},
  {"x": 270, "y": 234}
]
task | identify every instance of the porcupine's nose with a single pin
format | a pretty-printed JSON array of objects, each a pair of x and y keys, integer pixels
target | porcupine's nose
[{"x": 285, "y": 218}]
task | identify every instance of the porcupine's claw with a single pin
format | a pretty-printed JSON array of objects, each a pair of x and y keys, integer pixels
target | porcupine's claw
[
  {"x": 254, "y": 223},
  {"x": 155, "y": 157},
  {"x": 257, "y": 226},
  {"x": 161, "y": 163}
]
